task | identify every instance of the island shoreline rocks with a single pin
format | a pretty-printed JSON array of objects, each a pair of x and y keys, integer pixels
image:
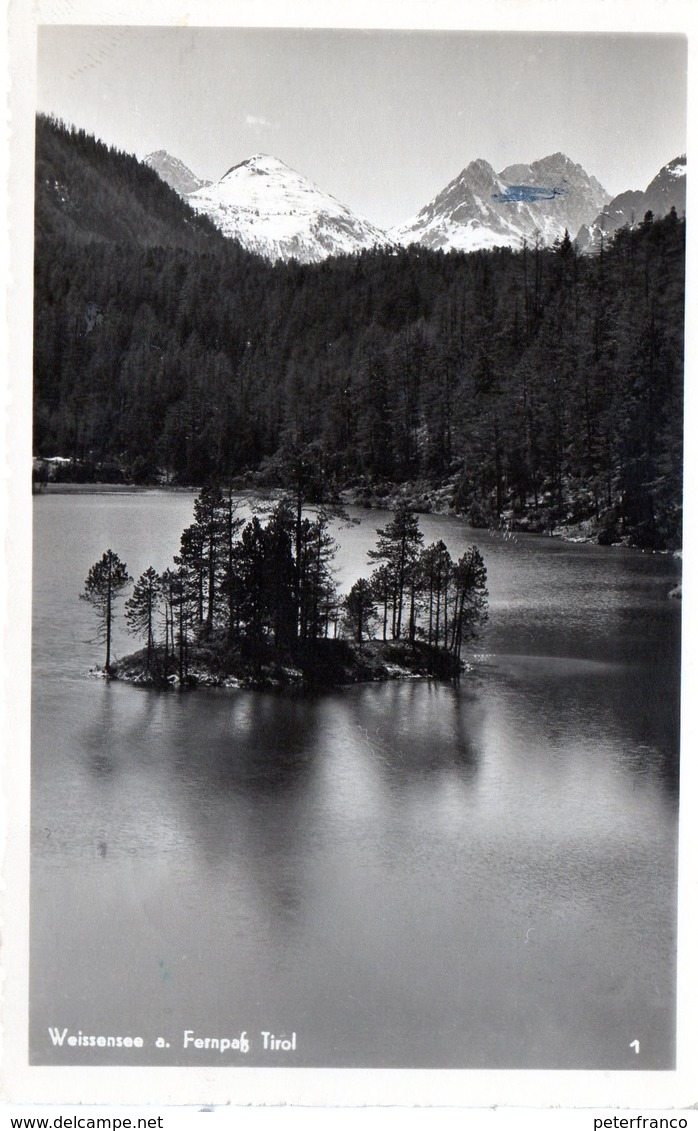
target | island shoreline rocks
[{"x": 337, "y": 664}]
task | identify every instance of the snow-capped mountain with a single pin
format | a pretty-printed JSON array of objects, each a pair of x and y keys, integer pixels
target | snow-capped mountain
[
  {"x": 276, "y": 212},
  {"x": 174, "y": 172},
  {"x": 483, "y": 209},
  {"x": 667, "y": 190}
]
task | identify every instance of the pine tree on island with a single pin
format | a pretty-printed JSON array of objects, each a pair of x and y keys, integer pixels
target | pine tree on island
[
  {"x": 398, "y": 547},
  {"x": 141, "y": 609},
  {"x": 360, "y": 609},
  {"x": 103, "y": 585}
]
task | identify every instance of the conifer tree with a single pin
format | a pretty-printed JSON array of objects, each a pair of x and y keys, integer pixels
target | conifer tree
[
  {"x": 381, "y": 587},
  {"x": 178, "y": 601},
  {"x": 142, "y": 607},
  {"x": 316, "y": 580},
  {"x": 230, "y": 526},
  {"x": 360, "y": 609},
  {"x": 209, "y": 520},
  {"x": 249, "y": 581},
  {"x": 398, "y": 546},
  {"x": 103, "y": 585},
  {"x": 435, "y": 566},
  {"x": 469, "y": 598}
]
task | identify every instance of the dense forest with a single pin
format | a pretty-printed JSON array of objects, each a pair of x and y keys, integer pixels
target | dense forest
[{"x": 543, "y": 386}]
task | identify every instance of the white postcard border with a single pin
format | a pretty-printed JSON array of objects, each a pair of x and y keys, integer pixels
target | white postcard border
[{"x": 323, "y": 1087}]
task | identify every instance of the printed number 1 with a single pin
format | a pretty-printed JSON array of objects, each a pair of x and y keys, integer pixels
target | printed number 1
[{"x": 635, "y": 1045}]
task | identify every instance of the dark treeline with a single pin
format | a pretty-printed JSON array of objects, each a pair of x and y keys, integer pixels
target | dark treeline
[
  {"x": 240, "y": 595},
  {"x": 545, "y": 386}
]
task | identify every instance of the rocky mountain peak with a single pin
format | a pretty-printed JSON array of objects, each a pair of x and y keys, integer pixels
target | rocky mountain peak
[
  {"x": 262, "y": 164},
  {"x": 665, "y": 191},
  {"x": 174, "y": 172},
  {"x": 525, "y": 202}
]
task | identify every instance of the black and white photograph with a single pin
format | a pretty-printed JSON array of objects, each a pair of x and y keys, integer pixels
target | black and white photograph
[{"x": 357, "y": 462}]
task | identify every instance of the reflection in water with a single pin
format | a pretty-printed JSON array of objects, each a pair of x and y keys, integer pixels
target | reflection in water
[
  {"x": 407, "y": 874},
  {"x": 101, "y": 765}
]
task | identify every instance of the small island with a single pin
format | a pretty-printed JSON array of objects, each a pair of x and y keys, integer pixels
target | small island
[
  {"x": 255, "y": 604},
  {"x": 327, "y": 663}
]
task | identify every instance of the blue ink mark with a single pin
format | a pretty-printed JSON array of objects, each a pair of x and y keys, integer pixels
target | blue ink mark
[
  {"x": 528, "y": 193},
  {"x": 164, "y": 974}
]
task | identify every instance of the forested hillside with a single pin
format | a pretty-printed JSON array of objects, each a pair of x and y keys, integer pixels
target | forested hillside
[
  {"x": 86, "y": 191},
  {"x": 545, "y": 386}
]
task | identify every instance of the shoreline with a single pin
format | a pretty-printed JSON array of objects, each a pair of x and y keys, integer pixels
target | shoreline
[
  {"x": 423, "y": 498},
  {"x": 329, "y": 665}
]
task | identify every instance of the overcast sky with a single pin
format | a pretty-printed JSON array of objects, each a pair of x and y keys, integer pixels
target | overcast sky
[{"x": 382, "y": 120}]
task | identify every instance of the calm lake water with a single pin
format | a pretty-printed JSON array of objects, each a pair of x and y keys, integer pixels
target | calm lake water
[{"x": 401, "y": 875}]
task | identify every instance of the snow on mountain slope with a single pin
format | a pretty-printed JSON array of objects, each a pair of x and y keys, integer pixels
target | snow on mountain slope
[
  {"x": 276, "y": 212},
  {"x": 481, "y": 208}
]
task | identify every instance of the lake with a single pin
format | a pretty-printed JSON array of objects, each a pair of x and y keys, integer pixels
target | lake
[{"x": 411, "y": 874}]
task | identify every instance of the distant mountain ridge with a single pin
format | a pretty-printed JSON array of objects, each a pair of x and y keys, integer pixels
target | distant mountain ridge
[
  {"x": 666, "y": 191},
  {"x": 276, "y": 212},
  {"x": 273, "y": 211},
  {"x": 480, "y": 208}
]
